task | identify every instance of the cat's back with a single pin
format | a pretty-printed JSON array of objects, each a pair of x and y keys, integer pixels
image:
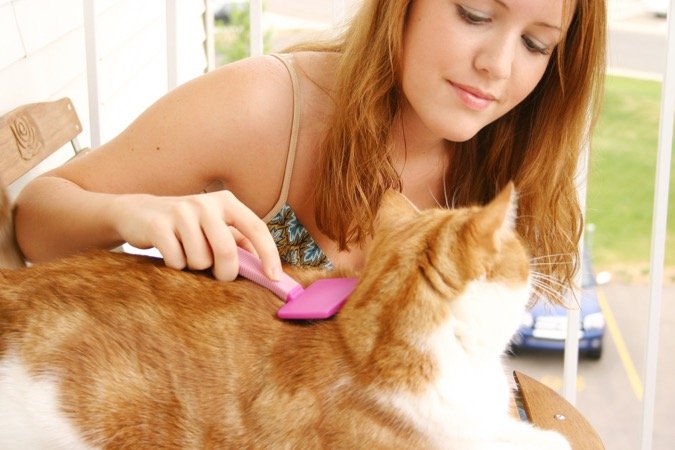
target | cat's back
[
  {"x": 125, "y": 294},
  {"x": 102, "y": 304},
  {"x": 124, "y": 338},
  {"x": 102, "y": 279}
]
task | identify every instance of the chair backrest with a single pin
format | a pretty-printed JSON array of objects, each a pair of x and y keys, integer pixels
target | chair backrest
[
  {"x": 28, "y": 135},
  {"x": 32, "y": 132}
]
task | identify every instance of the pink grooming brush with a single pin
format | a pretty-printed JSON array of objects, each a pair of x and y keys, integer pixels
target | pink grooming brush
[{"x": 320, "y": 300}]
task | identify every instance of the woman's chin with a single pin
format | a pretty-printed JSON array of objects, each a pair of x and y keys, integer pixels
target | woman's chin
[{"x": 460, "y": 136}]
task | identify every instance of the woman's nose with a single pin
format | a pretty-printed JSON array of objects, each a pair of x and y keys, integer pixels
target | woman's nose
[{"x": 496, "y": 56}]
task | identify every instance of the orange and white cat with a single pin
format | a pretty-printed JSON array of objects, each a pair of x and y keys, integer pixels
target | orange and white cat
[{"x": 107, "y": 350}]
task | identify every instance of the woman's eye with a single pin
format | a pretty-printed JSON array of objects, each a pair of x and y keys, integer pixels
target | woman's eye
[
  {"x": 471, "y": 16},
  {"x": 535, "y": 46}
]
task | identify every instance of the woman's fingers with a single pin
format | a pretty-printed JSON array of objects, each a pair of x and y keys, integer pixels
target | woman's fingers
[
  {"x": 253, "y": 229},
  {"x": 242, "y": 241},
  {"x": 223, "y": 248},
  {"x": 199, "y": 231},
  {"x": 189, "y": 231},
  {"x": 163, "y": 237}
]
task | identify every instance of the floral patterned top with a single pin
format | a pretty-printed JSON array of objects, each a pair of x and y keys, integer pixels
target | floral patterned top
[{"x": 296, "y": 246}]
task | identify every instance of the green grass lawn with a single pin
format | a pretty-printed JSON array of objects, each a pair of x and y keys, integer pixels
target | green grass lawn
[{"x": 622, "y": 172}]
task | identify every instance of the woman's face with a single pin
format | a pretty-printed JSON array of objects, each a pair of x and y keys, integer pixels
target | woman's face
[{"x": 468, "y": 62}]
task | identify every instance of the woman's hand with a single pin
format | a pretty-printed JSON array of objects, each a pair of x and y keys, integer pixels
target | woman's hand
[{"x": 196, "y": 231}]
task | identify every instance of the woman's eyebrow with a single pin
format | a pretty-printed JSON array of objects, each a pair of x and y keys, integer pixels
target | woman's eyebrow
[
  {"x": 548, "y": 25},
  {"x": 539, "y": 24}
]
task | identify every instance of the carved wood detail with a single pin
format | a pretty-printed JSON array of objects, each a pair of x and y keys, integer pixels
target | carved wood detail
[{"x": 27, "y": 135}]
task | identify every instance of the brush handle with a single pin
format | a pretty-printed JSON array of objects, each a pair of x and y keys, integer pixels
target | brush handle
[{"x": 250, "y": 267}]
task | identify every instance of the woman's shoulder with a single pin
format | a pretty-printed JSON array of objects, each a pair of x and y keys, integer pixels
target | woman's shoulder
[
  {"x": 257, "y": 87},
  {"x": 256, "y": 103},
  {"x": 256, "y": 94},
  {"x": 268, "y": 76},
  {"x": 249, "y": 108},
  {"x": 316, "y": 71}
]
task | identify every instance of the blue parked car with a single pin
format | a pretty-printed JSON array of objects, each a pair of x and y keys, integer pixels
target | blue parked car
[{"x": 544, "y": 326}]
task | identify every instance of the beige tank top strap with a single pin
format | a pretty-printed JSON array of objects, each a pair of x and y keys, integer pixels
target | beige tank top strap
[{"x": 287, "y": 60}]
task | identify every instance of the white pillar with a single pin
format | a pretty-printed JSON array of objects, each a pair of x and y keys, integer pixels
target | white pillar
[
  {"x": 171, "y": 44},
  {"x": 256, "y": 36},
  {"x": 209, "y": 28},
  {"x": 338, "y": 12},
  {"x": 659, "y": 222},
  {"x": 91, "y": 50},
  {"x": 571, "y": 355}
]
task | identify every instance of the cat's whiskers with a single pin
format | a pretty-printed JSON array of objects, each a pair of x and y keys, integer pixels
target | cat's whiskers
[
  {"x": 550, "y": 280},
  {"x": 549, "y": 262},
  {"x": 553, "y": 297},
  {"x": 543, "y": 263},
  {"x": 562, "y": 299},
  {"x": 544, "y": 285},
  {"x": 541, "y": 284},
  {"x": 553, "y": 256},
  {"x": 552, "y": 284},
  {"x": 542, "y": 290}
]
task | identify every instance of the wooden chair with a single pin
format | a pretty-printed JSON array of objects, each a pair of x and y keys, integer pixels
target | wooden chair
[
  {"x": 28, "y": 135},
  {"x": 32, "y": 132},
  {"x": 546, "y": 409}
]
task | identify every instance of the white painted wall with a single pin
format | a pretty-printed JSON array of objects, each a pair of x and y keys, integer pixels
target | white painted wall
[{"x": 43, "y": 56}]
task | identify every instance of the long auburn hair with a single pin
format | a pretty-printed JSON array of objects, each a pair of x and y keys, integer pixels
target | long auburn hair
[{"x": 537, "y": 144}]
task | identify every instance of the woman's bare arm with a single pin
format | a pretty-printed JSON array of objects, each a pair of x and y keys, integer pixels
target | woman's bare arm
[{"x": 145, "y": 186}]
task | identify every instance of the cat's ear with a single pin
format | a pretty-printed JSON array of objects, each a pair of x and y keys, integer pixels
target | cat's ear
[
  {"x": 496, "y": 218},
  {"x": 394, "y": 207}
]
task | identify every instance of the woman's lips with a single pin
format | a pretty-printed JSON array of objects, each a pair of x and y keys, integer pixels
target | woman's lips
[{"x": 471, "y": 97}]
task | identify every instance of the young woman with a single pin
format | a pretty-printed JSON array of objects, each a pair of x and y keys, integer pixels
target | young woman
[{"x": 446, "y": 100}]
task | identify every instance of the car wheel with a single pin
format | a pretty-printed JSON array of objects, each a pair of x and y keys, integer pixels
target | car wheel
[
  {"x": 514, "y": 350},
  {"x": 595, "y": 354}
]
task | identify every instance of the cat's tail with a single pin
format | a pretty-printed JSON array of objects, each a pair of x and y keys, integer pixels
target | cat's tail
[{"x": 10, "y": 255}]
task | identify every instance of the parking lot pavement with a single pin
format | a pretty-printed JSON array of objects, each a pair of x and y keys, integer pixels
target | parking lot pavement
[
  {"x": 637, "y": 46},
  {"x": 609, "y": 391}
]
